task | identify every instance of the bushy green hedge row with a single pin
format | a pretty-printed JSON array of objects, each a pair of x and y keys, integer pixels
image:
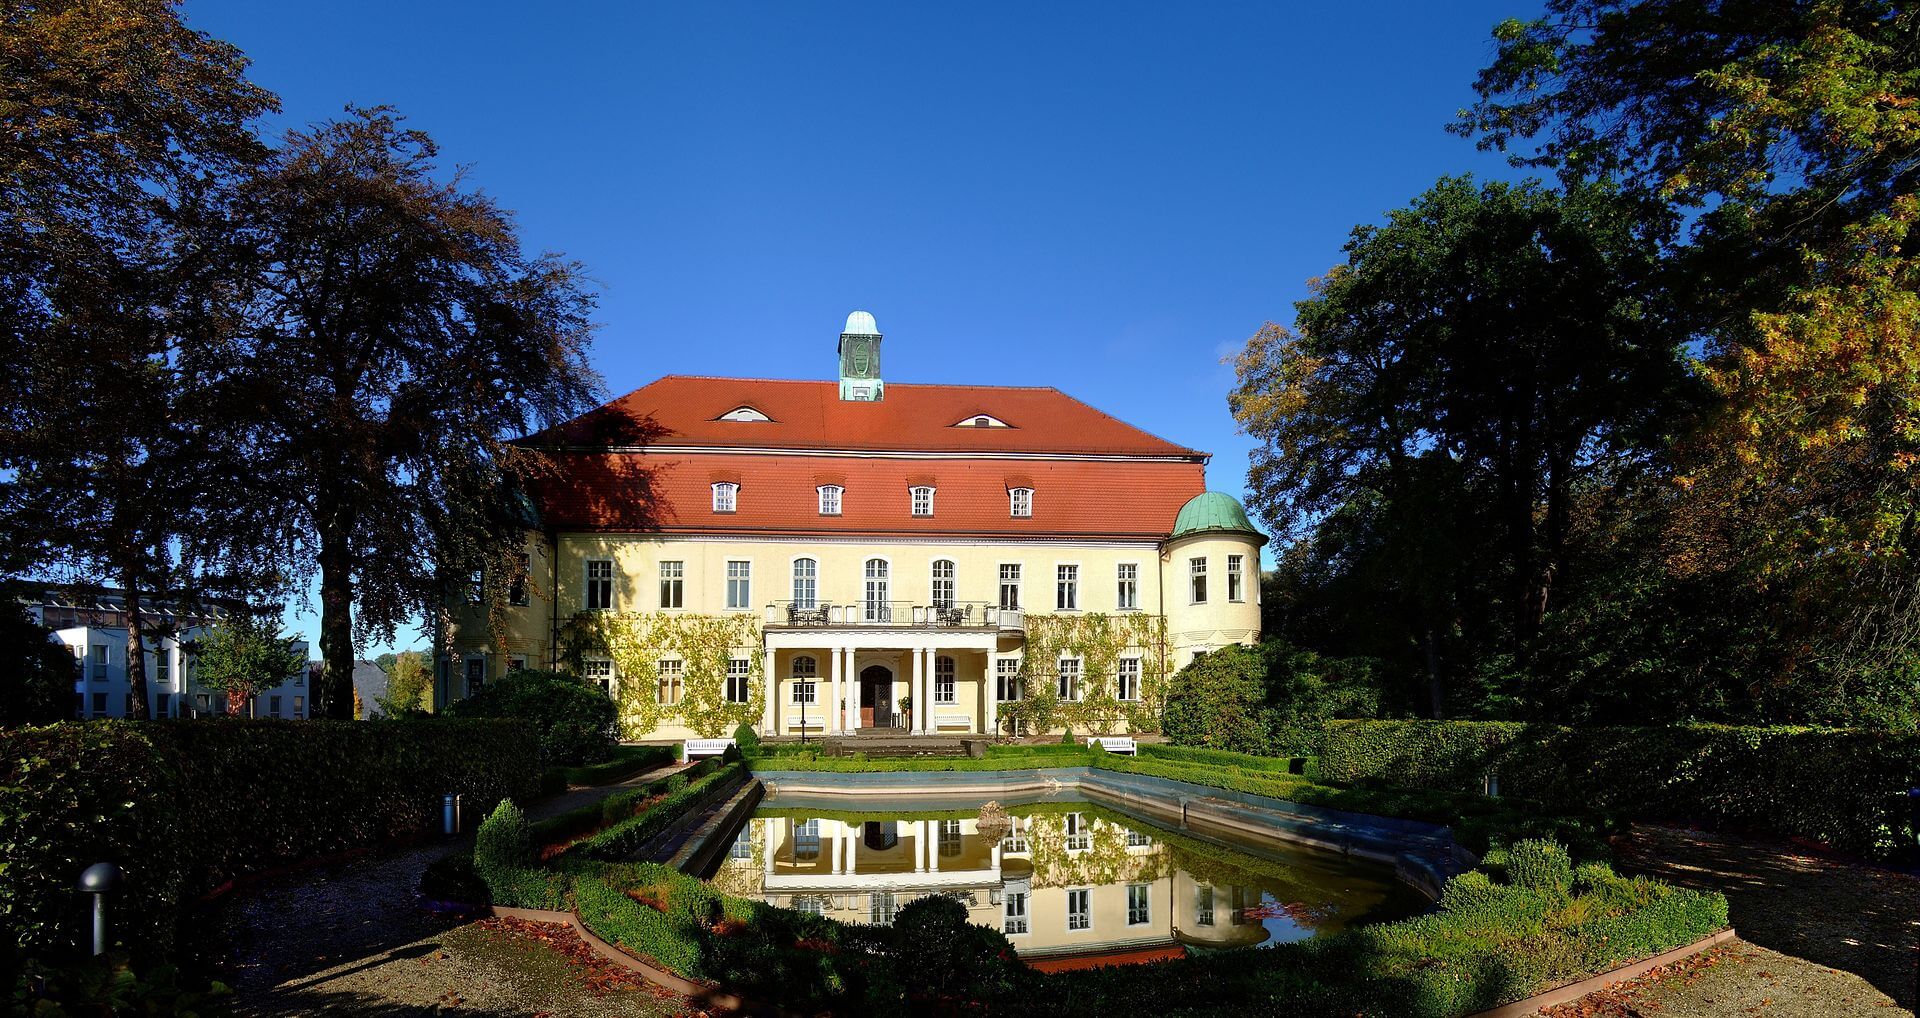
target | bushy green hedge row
[
  {"x": 1841, "y": 788},
  {"x": 622, "y": 838},
  {"x": 627, "y": 761},
  {"x": 1008, "y": 758},
  {"x": 593, "y": 816},
  {"x": 1224, "y": 758},
  {"x": 185, "y": 806}
]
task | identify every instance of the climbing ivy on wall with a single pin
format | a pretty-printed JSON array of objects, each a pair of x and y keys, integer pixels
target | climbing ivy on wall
[
  {"x": 1099, "y": 640},
  {"x": 1107, "y": 860},
  {"x": 638, "y": 641}
]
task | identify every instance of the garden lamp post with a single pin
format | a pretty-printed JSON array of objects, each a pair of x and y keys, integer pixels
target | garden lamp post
[{"x": 99, "y": 880}]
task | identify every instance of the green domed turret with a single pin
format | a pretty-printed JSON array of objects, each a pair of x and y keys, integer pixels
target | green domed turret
[{"x": 1213, "y": 512}]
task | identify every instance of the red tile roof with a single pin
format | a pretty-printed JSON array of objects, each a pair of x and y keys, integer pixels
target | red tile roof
[
  {"x": 682, "y": 410},
  {"x": 647, "y": 462},
  {"x": 672, "y": 493}
]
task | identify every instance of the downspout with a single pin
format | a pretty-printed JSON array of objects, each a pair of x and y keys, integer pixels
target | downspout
[{"x": 553, "y": 600}]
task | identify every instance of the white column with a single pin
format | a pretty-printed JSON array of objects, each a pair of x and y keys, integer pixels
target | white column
[
  {"x": 772, "y": 828},
  {"x": 996, "y": 858},
  {"x": 920, "y": 846},
  {"x": 925, "y": 699},
  {"x": 853, "y": 843},
  {"x": 990, "y": 688},
  {"x": 851, "y": 683},
  {"x": 773, "y": 689},
  {"x": 933, "y": 846},
  {"x": 833, "y": 693},
  {"x": 839, "y": 840}
]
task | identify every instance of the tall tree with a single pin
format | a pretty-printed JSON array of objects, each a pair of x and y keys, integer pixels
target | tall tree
[
  {"x": 1792, "y": 130},
  {"x": 1509, "y": 340},
  {"x": 244, "y": 655},
  {"x": 400, "y": 339},
  {"x": 119, "y": 126}
]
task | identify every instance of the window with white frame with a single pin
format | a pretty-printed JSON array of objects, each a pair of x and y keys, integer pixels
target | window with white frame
[
  {"x": 1127, "y": 678},
  {"x": 99, "y": 662},
  {"x": 943, "y": 582},
  {"x": 943, "y": 684},
  {"x": 880, "y": 908},
  {"x": 517, "y": 589},
  {"x": 672, "y": 670},
  {"x": 1014, "y": 920},
  {"x": 673, "y": 584},
  {"x": 742, "y": 847},
  {"x": 922, "y": 499},
  {"x": 1010, "y": 586},
  {"x": 1069, "y": 679},
  {"x": 1197, "y": 580},
  {"x": 1126, "y": 595},
  {"x": 877, "y": 608},
  {"x": 299, "y": 707},
  {"x": 812, "y": 904},
  {"x": 1137, "y": 840},
  {"x": 948, "y": 838},
  {"x": 1138, "y": 911},
  {"x": 1079, "y": 835},
  {"x": 599, "y": 671},
  {"x": 1236, "y": 578},
  {"x": 806, "y": 583},
  {"x": 726, "y": 495},
  {"x": 739, "y": 684},
  {"x": 806, "y": 672},
  {"x": 806, "y": 840},
  {"x": 739, "y": 584},
  {"x": 1203, "y": 905},
  {"x": 1066, "y": 596},
  {"x": 1020, "y": 501},
  {"x": 599, "y": 584},
  {"x": 1007, "y": 680},
  {"x": 1080, "y": 909},
  {"x": 830, "y": 499}
]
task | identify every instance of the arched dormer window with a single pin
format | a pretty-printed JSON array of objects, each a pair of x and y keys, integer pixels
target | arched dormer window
[
  {"x": 743, "y": 413},
  {"x": 1020, "y": 501},
  {"x": 726, "y": 496},
  {"x": 830, "y": 499},
  {"x": 922, "y": 499}
]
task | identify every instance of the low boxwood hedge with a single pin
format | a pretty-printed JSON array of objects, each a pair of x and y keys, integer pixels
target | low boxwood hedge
[
  {"x": 1842, "y": 788},
  {"x": 627, "y": 761}
]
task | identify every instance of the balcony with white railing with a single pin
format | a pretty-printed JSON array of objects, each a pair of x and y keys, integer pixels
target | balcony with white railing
[{"x": 970, "y": 615}]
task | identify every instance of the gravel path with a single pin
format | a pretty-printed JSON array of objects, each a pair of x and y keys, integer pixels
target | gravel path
[
  {"x": 1819, "y": 937},
  {"x": 356, "y": 937}
]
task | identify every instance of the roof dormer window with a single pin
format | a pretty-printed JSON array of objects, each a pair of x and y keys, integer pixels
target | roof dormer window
[
  {"x": 830, "y": 499},
  {"x": 743, "y": 413},
  {"x": 922, "y": 499},
  {"x": 1020, "y": 501},
  {"x": 726, "y": 496},
  {"x": 981, "y": 421}
]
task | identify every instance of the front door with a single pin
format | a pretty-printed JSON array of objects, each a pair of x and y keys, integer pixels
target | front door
[{"x": 876, "y": 697}]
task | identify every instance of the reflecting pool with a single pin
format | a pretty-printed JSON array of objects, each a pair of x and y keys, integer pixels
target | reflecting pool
[{"x": 1070, "y": 883}]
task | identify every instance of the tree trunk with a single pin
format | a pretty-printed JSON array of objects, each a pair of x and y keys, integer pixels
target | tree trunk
[
  {"x": 136, "y": 648},
  {"x": 1436, "y": 689},
  {"x": 336, "y": 618}
]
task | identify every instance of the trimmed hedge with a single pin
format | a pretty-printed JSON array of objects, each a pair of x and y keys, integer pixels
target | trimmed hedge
[
  {"x": 184, "y": 806},
  {"x": 1842, "y": 788},
  {"x": 627, "y": 761},
  {"x": 1222, "y": 757},
  {"x": 624, "y": 837}
]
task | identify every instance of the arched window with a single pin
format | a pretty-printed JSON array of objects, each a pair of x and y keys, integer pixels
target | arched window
[
  {"x": 805, "y": 667},
  {"x": 806, "y": 583},
  {"x": 922, "y": 499},
  {"x": 830, "y": 499},
  {"x": 877, "y": 607},
  {"x": 943, "y": 583},
  {"x": 1020, "y": 501},
  {"x": 726, "y": 496}
]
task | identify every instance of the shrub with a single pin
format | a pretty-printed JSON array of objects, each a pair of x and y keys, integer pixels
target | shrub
[
  {"x": 1839, "y": 787},
  {"x": 1219, "y": 701},
  {"x": 1469, "y": 891},
  {"x": 943, "y": 957},
  {"x": 746, "y": 741},
  {"x": 625, "y": 763},
  {"x": 502, "y": 842},
  {"x": 575, "y": 720},
  {"x": 1539, "y": 865}
]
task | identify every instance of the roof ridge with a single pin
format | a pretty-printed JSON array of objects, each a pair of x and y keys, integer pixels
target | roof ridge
[{"x": 835, "y": 382}]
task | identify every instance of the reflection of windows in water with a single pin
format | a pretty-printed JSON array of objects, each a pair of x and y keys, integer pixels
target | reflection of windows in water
[
  {"x": 1016, "y": 915},
  {"x": 880, "y": 908},
  {"x": 812, "y": 903},
  {"x": 1138, "y": 913},
  {"x": 949, "y": 837},
  {"x": 880, "y": 835},
  {"x": 742, "y": 845},
  {"x": 1242, "y": 900},
  {"x": 1079, "y": 838},
  {"x": 1203, "y": 906},
  {"x": 1137, "y": 840},
  {"x": 1080, "y": 909},
  {"x": 806, "y": 840}
]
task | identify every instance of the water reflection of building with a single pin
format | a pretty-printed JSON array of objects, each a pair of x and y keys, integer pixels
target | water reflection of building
[{"x": 1059, "y": 885}]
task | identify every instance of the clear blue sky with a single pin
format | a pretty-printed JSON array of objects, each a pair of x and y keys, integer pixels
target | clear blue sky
[{"x": 1104, "y": 197}]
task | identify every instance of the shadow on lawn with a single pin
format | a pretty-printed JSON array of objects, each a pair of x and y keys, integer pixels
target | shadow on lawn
[{"x": 1857, "y": 918}]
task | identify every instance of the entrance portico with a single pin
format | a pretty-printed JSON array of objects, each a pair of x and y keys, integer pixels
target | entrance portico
[{"x": 839, "y": 680}]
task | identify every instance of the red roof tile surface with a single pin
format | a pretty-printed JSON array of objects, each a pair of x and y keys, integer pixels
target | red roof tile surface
[
  {"x": 658, "y": 474},
  {"x": 683, "y": 411}
]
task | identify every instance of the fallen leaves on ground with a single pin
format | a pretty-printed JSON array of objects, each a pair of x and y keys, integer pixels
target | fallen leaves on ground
[{"x": 598, "y": 974}]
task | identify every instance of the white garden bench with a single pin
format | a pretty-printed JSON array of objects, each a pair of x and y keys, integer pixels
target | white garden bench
[
  {"x": 952, "y": 721},
  {"x": 693, "y": 748},
  {"x": 1115, "y": 744}
]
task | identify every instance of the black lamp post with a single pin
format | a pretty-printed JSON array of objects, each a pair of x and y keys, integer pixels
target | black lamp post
[{"x": 99, "y": 880}]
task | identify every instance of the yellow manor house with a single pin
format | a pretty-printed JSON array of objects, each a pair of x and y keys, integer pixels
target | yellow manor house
[{"x": 830, "y": 557}]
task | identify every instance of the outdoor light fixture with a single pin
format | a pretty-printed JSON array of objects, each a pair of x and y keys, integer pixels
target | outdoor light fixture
[
  {"x": 100, "y": 880},
  {"x": 450, "y": 813}
]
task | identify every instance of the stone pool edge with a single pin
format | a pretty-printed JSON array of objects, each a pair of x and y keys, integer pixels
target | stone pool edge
[{"x": 1424, "y": 856}]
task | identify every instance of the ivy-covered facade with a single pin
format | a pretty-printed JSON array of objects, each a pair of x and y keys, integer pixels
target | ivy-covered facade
[{"x": 822, "y": 559}]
